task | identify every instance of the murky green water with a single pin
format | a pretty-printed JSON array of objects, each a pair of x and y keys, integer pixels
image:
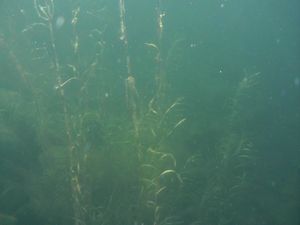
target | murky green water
[{"x": 136, "y": 112}]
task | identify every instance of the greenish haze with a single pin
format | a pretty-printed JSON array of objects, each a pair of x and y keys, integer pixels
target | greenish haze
[{"x": 143, "y": 112}]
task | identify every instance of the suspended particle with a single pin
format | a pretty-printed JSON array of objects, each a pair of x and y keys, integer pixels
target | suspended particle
[{"x": 60, "y": 21}]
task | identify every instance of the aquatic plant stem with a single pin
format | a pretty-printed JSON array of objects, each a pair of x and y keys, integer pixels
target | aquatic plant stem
[
  {"x": 131, "y": 92},
  {"x": 160, "y": 75},
  {"x": 45, "y": 12},
  {"x": 123, "y": 34}
]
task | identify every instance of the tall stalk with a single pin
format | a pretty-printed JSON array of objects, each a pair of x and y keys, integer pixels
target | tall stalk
[
  {"x": 45, "y": 11},
  {"x": 131, "y": 92}
]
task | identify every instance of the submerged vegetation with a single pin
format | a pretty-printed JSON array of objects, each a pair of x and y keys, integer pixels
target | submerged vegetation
[{"x": 97, "y": 125}]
